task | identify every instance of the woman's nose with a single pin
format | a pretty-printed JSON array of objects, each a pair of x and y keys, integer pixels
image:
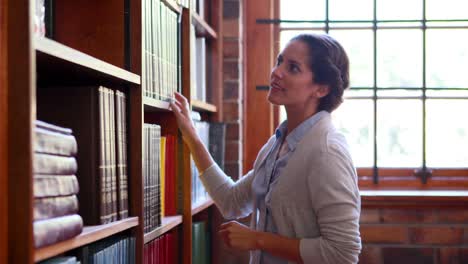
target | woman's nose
[{"x": 277, "y": 72}]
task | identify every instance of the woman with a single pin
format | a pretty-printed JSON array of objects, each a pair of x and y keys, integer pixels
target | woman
[{"x": 302, "y": 191}]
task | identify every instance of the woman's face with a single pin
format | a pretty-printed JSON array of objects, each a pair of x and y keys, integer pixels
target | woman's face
[{"x": 291, "y": 80}]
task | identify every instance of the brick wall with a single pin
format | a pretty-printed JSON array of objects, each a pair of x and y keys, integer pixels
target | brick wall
[
  {"x": 232, "y": 86},
  {"x": 233, "y": 83},
  {"x": 414, "y": 234}
]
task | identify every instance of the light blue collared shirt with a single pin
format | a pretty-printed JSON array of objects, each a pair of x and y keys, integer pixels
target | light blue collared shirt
[{"x": 270, "y": 170}]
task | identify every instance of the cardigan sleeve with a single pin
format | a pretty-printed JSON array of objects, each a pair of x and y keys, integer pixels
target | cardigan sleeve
[
  {"x": 337, "y": 204},
  {"x": 234, "y": 199}
]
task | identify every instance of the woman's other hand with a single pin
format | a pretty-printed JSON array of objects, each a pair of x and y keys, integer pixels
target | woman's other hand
[{"x": 238, "y": 236}]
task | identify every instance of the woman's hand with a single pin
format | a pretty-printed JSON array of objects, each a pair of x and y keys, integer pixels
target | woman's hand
[
  {"x": 180, "y": 108},
  {"x": 238, "y": 236}
]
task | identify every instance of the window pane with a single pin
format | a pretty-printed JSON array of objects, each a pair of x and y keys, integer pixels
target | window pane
[
  {"x": 447, "y": 136},
  {"x": 447, "y": 58},
  {"x": 359, "y": 45},
  {"x": 399, "y": 9},
  {"x": 446, "y": 9},
  {"x": 351, "y": 10},
  {"x": 399, "y": 58},
  {"x": 399, "y": 133},
  {"x": 351, "y": 25},
  {"x": 399, "y": 93},
  {"x": 287, "y": 35},
  {"x": 450, "y": 93},
  {"x": 349, "y": 93},
  {"x": 355, "y": 119},
  {"x": 301, "y": 10}
]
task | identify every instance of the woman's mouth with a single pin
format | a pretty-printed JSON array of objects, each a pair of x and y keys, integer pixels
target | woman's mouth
[{"x": 275, "y": 87}]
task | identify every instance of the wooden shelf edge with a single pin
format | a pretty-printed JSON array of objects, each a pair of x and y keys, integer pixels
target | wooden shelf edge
[
  {"x": 200, "y": 206},
  {"x": 203, "y": 106},
  {"x": 58, "y": 50},
  {"x": 203, "y": 29},
  {"x": 152, "y": 105},
  {"x": 168, "y": 223},
  {"x": 172, "y": 5},
  {"x": 89, "y": 235}
]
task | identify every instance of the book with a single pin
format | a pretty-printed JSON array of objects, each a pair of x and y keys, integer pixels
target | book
[
  {"x": 54, "y": 165},
  {"x": 51, "y": 139},
  {"x": 50, "y": 207},
  {"x": 55, "y": 185},
  {"x": 170, "y": 176},
  {"x": 199, "y": 243},
  {"x": 50, "y": 231},
  {"x": 217, "y": 137},
  {"x": 121, "y": 135}
]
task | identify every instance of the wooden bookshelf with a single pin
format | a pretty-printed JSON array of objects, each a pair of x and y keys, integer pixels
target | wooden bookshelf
[
  {"x": 57, "y": 63},
  {"x": 203, "y": 106},
  {"x": 153, "y": 105},
  {"x": 89, "y": 235},
  {"x": 200, "y": 206},
  {"x": 202, "y": 28},
  {"x": 168, "y": 223},
  {"x": 84, "y": 54}
]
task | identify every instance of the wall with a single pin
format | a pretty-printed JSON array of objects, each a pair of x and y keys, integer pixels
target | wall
[
  {"x": 409, "y": 231},
  {"x": 232, "y": 86}
]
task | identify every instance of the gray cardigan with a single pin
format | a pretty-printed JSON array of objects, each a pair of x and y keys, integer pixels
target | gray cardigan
[{"x": 317, "y": 199}]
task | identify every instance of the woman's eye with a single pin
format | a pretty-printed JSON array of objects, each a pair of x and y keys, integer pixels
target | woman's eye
[
  {"x": 293, "y": 68},
  {"x": 278, "y": 61}
]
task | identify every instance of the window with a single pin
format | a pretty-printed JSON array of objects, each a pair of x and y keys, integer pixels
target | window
[{"x": 405, "y": 116}]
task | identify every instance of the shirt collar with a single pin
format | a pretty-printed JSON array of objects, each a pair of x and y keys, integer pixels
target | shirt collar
[{"x": 298, "y": 133}]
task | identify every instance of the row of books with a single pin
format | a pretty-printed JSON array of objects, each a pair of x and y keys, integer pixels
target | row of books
[
  {"x": 197, "y": 66},
  {"x": 118, "y": 249},
  {"x": 213, "y": 137},
  {"x": 55, "y": 185},
  {"x": 97, "y": 116},
  {"x": 162, "y": 250},
  {"x": 159, "y": 155},
  {"x": 161, "y": 51}
]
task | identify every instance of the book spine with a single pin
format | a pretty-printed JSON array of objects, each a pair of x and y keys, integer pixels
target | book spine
[
  {"x": 113, "y": 157},
  {"x": 54, "y": 165},
  {"x": 124, "y": 175},
  {"x": 45, "y": 208},
  {"x": 54, "y": 143},
  {"x": 56, "y": 185},
  {"x": 102, "y": 157},
  {"x": 50, "y": 231}
]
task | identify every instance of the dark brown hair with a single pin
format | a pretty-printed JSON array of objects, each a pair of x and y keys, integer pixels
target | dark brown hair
[{"x": 330, "y": 66}]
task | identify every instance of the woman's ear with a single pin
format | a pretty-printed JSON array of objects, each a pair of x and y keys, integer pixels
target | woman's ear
[{"x": 322, "y": 90}]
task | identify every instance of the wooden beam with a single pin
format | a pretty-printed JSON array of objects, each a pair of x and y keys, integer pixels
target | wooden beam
[
  {"x": 21, "y": 115},
  {"x": 259, "y": 119},
  {"x": 3, "y": 134}
]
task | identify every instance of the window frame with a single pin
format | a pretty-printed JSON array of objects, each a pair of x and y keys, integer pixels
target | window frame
[{"x": 383, "y": 177}]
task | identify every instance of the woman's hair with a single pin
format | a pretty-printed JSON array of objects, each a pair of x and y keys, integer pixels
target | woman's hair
[{"x": 330, "y": 66}]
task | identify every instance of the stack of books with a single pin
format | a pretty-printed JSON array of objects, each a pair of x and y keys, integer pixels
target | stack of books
[{"x": 55, "y": 185}]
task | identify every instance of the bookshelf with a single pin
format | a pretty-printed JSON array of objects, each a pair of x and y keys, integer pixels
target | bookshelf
[
  {"x": 168, "y": 223},
  {"x": 201, "y": 106},
  {"x": 80, "y": 53},
  {"x": 89, "y": 234},
  {"x": 55, "y": 59},
  {"x": 203, "y": 205}
]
